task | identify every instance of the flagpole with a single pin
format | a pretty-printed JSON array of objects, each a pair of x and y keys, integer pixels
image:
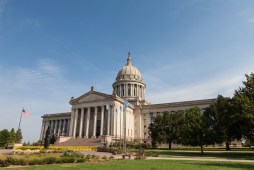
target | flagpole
[{"x": 20, "y": 119}]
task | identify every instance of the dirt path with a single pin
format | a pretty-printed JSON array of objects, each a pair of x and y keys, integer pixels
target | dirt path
[{"x": 170, "y": 158}]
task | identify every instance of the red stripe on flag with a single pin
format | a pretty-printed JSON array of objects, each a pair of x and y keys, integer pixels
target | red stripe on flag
[{"x": 25, "y": 113}]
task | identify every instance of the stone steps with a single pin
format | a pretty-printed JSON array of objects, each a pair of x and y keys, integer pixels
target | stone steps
[{"x": 81, "y": 142}]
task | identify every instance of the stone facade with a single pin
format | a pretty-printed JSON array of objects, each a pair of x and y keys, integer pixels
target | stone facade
[{"x": 108, "y": 117}]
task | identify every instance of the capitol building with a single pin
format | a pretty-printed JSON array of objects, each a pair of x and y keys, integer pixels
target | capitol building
[{"x": 125, "y": 114}]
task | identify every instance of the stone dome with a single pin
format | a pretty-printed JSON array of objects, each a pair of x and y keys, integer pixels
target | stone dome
[
  {"x": 129, "y": 83},
  {"x": 129, "y": 72}
]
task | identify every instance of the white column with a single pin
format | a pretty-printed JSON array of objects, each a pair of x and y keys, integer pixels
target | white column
[
  {"x": 71, "y": 122},
  {"x": 108, "y": 122},
  {"x": 55, "y": 125},
  {"x": 120, "y": 87},
  {"x": 64, "y": 127},
  {"x": 81, "y": 123},
  {"x": 68, "y": 127},
  {"x": 115, "y": 121},
  {"x": 102, "y": 119},
  {"x": 112, "y": 120},
  {"x": 75, "y": 122},
  {"x": 87, "y": 121},
  {"x": 59, "y": 127},
  {"x": 137, "y": 91},
  {"x": 42, "y": 129},
  {"x": 95, "y": 121}
]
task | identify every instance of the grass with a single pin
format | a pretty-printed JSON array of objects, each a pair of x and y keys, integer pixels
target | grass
[
  {"x": 148, "y": 165},
  {"x": 243, "y": 155}
]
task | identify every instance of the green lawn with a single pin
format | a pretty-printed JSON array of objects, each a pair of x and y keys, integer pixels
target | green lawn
[
  {"x": 247, "y": 155},
  {"x": 148, "y": 165}
]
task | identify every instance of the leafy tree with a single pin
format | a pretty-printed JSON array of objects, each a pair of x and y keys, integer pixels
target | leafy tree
[
  {"x": 53, "y": 139},
  {"x": 154, "y": 134},
  {"x": 18, "y": 136},
  {"x": 170, "y": 131},
  {"x": 155, "y": 128},
  {"x": 223, "y": 119},
  {"x": 4, "y": 137},
  {"x": 12, "y": 136},
  {"x": 197, "y": 129},
  {"x": 166, "y": 128},
  {"x": 244, "y": 98}
]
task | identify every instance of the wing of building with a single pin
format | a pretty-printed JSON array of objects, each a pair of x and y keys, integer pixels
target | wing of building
[{"x": 125, "y": 114}]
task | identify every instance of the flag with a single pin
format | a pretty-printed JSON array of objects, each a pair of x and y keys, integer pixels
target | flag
[
  {"x": 126, "y": 104},
  {"x": 24, "y": 112}
]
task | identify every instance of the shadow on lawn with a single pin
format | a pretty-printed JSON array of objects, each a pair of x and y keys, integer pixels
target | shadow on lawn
[
  {"x": 221, "y": 165},
  {"x": 225, "y": 155}
]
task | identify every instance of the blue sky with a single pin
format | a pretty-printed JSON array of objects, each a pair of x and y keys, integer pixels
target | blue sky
[{"x": 51, "y": 50}]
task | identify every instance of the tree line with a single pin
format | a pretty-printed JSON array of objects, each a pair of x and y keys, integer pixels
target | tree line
[
  {"x": 10, "y": 137},
  {"x": 225, "y": 120}
]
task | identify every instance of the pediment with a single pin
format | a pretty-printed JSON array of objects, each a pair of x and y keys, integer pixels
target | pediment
[{"x": 91, "y": 97}]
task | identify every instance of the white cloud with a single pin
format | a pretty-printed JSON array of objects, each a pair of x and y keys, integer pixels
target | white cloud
[
  {"x": 41, "y": 89},
  {"x": 198, "y": 90},
  {"x": 2, "y": 6},
  {"x": 248, "y": 15}
]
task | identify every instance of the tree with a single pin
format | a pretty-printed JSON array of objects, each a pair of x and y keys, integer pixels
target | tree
[
  {"x": 154, "y": 134},
  {"x": 170, "y": 131},
  {"x": 224, "y": 120},
  {"x": 244, "y": 98},
  {"x": 166, "y": 128},
  {"x": 18, "y": 136},
  {"x": 4, "y": 137},
  {"x": 155, "y": 128},
  {"x": 12, "y": 136},
  {"x": 196, "y": 129}
]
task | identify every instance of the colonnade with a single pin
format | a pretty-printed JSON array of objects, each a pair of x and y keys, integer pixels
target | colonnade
[
  {"x": 58, "y": 127},
  {"x": 95, "y": 121},
  {"x": 130, "y": 90}
]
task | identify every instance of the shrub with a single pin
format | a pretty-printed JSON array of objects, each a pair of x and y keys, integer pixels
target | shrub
[
  {"x": 35, "y": 161},
  {"x": 21, "y": 161},
  {"x": 50, "y": 160},
  {"x": 111, "y": 157},
  {"x": 73, "y": 154},
  {"x": 81, "y": 160},
  {"x": 4, "y": 163},
  {"x": 104, "y": 157},
  {"x": 66, "y": 160}
]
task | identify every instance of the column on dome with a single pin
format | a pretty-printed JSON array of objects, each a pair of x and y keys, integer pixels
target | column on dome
[
  {"x": 132, "y": 89},
  {"x": 95, "y": 121},
  {"x": 102, "y": 119},
  {"x": 87, "y": 122},
  {"x": 125, "y": 91},
  {"x": 141, "y": 88},
  {"x": 81, "y": 122}
]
